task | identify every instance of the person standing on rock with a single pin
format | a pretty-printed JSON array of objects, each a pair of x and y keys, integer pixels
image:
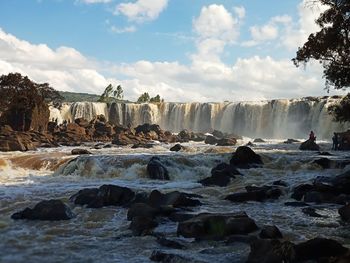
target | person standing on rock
[
  {"x": 312, "y": 136},
  {"x": 335, "y": 142}
]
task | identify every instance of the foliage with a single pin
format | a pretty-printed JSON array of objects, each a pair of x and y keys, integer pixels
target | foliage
[
  {"x": 144, "y": 98},
  {"x": 20, "y": 92},
  {"x": 77, "y": 97},
  {"x": 341, "y": 110},
  {"x": 110, "y": 93},
  {"x": 155, "y": 99}
]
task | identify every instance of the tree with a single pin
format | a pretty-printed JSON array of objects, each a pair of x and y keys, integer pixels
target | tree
[
  {"x": 118, "y": 93},
  {"x": 105, "y": 96},
  {"x": 110, "y": 93},
  {"x": 143, "y": 98},
  {"x": 155, "y": 99},
  {"x": 341, "y": 110},
  {"x": 24, "y": 102},
  {"x": 331, "y": 45}
]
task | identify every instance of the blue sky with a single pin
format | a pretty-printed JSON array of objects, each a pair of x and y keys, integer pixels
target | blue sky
[{"x": 182, "y": 49}]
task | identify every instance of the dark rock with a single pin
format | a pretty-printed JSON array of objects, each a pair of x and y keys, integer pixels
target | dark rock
[
  {"x": 290, "y": 141},
  {"x": 344, "y": 212},
  {"x": 296, "y": 204},
  {"x": 280, "y": 183},
  {"x": 218, "y": 134},
  {"x": 146, "y": 128},
  {"x": 270, "y": 251},
  {"x": 198, "y": 137},
  {"x": 50, "y": 210},
  {"x": 258, "y": 194},
  {"x": 226, "y": 142},
  {"x": 309, "y": 145},
  {"x": 177, "y": 147},
  {"x": 318, "y": 248},
  {"x": 84, "y": 196},
  {"x": 160, "y": 256},
  {"x": 259, "y": 140},
  {"x": 250, "y": 144},
  {"x": 216, "y": 226},
  {"x": 169, "y": 243},
  {"x": 325, "y": 154},
  {"x": 325, "y": 163},
  {"x": 156, "y": 170},
  {"x": 211, "y": 140},
  {"x": 270, "y": 232},
  {"x": 82, "y": 122},
  {"x": 174, "y": 199},
  {"x": 142, "y": 226},
  {"x": 142, "y": 145},
  {"x": 311, "y": 212},
  {"x": 221, "y": 175},
  {"x": 245, "y": 158},
  {"x": 180, "y": 217},
  {"x": 184, "y": 135},
  {"x": 300, "y": 190},
  {"x": 80, "y": 151},
  {"x": 142, "y": 210},
  {"x": 241, "y": 239}
]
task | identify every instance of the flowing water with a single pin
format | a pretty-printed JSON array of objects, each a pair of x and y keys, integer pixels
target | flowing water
[
  {"x": 96, "y": 235},
  {"x": 269, "y": 119}
]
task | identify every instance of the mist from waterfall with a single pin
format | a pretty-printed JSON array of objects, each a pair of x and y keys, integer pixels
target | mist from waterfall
[{"x": 266, "y": 119}]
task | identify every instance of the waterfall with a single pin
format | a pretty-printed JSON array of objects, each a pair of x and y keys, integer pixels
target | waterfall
[{"x": 267, "y": 119}]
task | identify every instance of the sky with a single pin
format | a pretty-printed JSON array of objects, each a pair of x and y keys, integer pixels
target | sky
[{"x": 183, "y": 50}]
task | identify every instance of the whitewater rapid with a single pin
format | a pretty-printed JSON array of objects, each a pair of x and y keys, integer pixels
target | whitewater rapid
[
  {"x": 293, "y": 118},
  {"x": 102, "y": 234}
]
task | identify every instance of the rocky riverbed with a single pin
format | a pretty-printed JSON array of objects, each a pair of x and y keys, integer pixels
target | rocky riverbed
[{"x": 267, "y": 203}]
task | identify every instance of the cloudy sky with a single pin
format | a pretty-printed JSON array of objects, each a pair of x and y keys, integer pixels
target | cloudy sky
[{"x": 184, "y": 50}]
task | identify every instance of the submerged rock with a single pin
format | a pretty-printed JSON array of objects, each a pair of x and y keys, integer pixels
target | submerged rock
[
  {"x": 216, "y": 226},
  {"x": 160, "y": 256},
  {"x": 156, "y": 169},
  {"x": 259, "y": 140},
  {"x": 309, "y": 145},
  {"x": 311, "y": 212},
  {"x": 245, "y": 158},
  {"x": 50, "y": 210},
  {"x": 80, "y": 151}
]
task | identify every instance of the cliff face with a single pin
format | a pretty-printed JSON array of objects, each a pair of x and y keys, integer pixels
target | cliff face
[{"x": 22, "y": 119}]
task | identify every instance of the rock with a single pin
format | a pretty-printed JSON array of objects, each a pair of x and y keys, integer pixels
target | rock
[
  {"x": 198, "y": 137},
  {"x": 259, "y": 140},
  {"x": 311, "y": 212},
  {"x": 142, "y": 145},
  {"x": 142, "y": 210},
  {"x": 221, "y": 175},
  {"x": 142, "y": 226},
  {"x": 344, "y": 212},
  {"x": 300, "y": 190},
  {"x": 270, "y": 232},
  {"x": 245, "y": 158},
  {"x": 280, "y": 183},
  {"x": 180, "y": 217},
  {"x": 211, "y": 140},
  {"x": 50, "y": 210},
  {"x": 258, "y": 194},
  {"x": 106, "y": 195},
  {"x": 270, "y": 251},
  {"x": 82, "y": 122},
  {"x": 169, "y": 243},
  {"x": 309, "y": 145},
  {"x": 156, "y": 170},
  {"x": 250, "y": 144},
  {"x": 325, "y": 154},
  {"x": 216, "y": 226},
  {"x": 226, "y": 142},
  {"x": 160, "y": 256},
  {"x": 146, "y": 128},
  {"x": 296, "y": 204},
  {"x": 318, "y": 248},
  {"x": 218, "y": 134},
  {"x": 174, "y": 199},
  {"x": 325, "y": 163},
  {"x": 184, "y": 135},
  {"x": 290, "y": 141},
  {"x": 177, "y": 147},
  {"x": 80, "y": 151}
]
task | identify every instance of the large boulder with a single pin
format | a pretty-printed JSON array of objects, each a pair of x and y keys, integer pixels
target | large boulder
[
  {"x": 245, "y": 158},
  {"x": 309, "y": 145},
  {"x": 216, "y": 226},
  {"x": 106, "y": 195},
  {"x": 211, "y": 140},
  {"x": 146, "y": 128},
  {"x": 50, "y": 210},
  {"x": 157, "y": 170}
]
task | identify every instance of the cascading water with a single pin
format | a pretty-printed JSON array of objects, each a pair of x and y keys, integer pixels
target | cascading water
[{"x": 268, "y": 119}]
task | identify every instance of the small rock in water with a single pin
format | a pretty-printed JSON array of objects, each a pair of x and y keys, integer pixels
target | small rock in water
[
  {"x": 311, "y": 212},
  {"x": 309, "y": 145},
  {"x": 169, "y": 243},
  {"x": 142, "y": 226},
  {"x": 259, "y": 140},
  {"x": 290, "y": 141},
  {"x": 280, "y": 183},
  {"x": 160, "y": 256},
  {"x": 344, "y": 212},
  {"x": 177, "y": 147},
  {"x": 270, "y": 232},
  {"x": 245, "y": 158},
  {"x": 226, "y": 142},
  {"x": 50, "y": 210},
  {"x": 296, "y": 204},
  {"x": 258, "y": 194},
  {"x": 156, "y": 169},
  {"x": 80, "y": 151},
  {"x": 174, "y": 199},
  {"x": 221, "y": 175}
]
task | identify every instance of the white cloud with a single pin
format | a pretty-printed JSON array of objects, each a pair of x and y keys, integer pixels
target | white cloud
[
  {"x": 141, "y": 10},
  {"x": 95, "y": 1},
  {"x": 240, "y": 11},
  {"x": 120, "y": 30}
]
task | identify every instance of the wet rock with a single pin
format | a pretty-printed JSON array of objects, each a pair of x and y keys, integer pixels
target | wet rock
[
  {"x": 142, "y": 226},
  {"x": 344, "y": 212},
  {"x": 80, "y": 151},
  {"x": 241, "y": 239},
  {"x": 300, "y": 190},
  {"x": 259, "y": 140},
  {"x": 156, "y": 169},
  {"x": 211, "y": 140},
  {"x": 290, "y": 141},
  {"x": 142, "y": 210},
  {"x": 221, "y": 175},
  {"x": 325, "y": 154},
  {"x": 226, "y": 142},
  {"x": 271, "y": 251},
  {"x": 174, "y": 199},
  {"x": 270, "y": 232},
  {"x": 198, "y": 137},
  {"x": 245, "y": 158},
  {"x": 218, "y": 134},
  {"x": 146, "y": 128},
  {"x": 250, "y": 144},
  {"x": 106, "y": 195},
  {"x": 142, "y": 145},
  {"x": 159, "y": 256},
  {"x": 50, "y": 210},
  {"x": 309, "y": 145},
  {"x": 320, "y": 197},
  {"x": 216, "y": 226},
  {"x": 325, "y": 163},
  {"x": 180, "y": 216},
  {"x": 311, "y": 212},
  {"x": 280, "y": 183},
  {"x": 177, "y": 147},
  {"x": 258, "y": 194},
  {"x": 184, "y": 135},
  {"x": 296, "y": 204},
  {"x": 82, "y": 122},
  {"x": 319, "y": 248},
  {"x": 169, "y": 243}
]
